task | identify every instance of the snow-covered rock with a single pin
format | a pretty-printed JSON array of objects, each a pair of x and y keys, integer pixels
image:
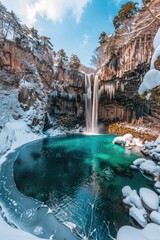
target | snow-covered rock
[
  {"x": 138, "y": 216},
  {"x": 127, "y": 140},
  {"x": 150, "y": 198},
  {"x": 131, "y": 197},
  {"x": 150, "y": 232},
  {"x": 126, "y": 191},
  {"x": 151, "y": 169},
  {"x": 138, "y": 161},
  {"x": 155, "y": 217}
]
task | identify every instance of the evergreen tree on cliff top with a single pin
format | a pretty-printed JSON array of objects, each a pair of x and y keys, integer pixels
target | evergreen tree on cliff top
[
  {"x": 74, "y": 62},
  {"x": 127, "y": 11},
  {"x": 62, "y": 58}
]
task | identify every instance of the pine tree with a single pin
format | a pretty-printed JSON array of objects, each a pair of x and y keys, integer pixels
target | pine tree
[
  {"x": 127, "y": 11},
  {"x": 74, "y": 62},
  {"x": 62, "y": 58},
  {"x": 103, "y": 38}
]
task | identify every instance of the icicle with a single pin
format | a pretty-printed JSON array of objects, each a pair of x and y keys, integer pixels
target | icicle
[{"x": 122, "y": 87}]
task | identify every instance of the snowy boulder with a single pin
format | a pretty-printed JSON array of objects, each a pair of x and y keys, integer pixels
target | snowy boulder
[
  {"x": 151, "y": 169},
  {"x": 157, "y": 149},
  {"x": 157, "y": 184},
  {"x": 138, "y": 216},
  {"x": 150, "y": 145},
  {"x": 138, "y": 161},
  {"x": 135, "y": 199},
  {"x": 132, "y": 198},
  {"x": 123, "y": 139},
  {"x": 150, "y": 198},
  {"x": 119, "y": 140},
  {"x": 150, "y": 232},
  {"x": 126, "y": 191},
  {"x": 155, "y": 217}
]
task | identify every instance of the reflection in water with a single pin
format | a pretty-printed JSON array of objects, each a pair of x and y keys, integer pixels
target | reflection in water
[{"x": 80, "y": 178}]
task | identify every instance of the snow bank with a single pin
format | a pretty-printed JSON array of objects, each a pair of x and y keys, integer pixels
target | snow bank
[
  {"x": 9, "y": 233},
  {"x": 14, "y": 134},
  {"x": 150, "y": 232}
]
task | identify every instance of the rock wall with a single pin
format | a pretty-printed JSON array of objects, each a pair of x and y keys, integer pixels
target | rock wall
[
  {"x": 68, "y": 93},
  {"x": 124, "y": 69},
  {"x": 119, "y": 99}
]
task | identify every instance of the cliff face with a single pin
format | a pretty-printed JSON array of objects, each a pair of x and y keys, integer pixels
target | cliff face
[
  {"x": 39, "y": 88},
  {"x": 68, "y": 94},
  {"x": 124, "y": 69}
]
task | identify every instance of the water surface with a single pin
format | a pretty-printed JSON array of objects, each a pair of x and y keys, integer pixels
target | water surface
[{"x": 80, "y": 178}]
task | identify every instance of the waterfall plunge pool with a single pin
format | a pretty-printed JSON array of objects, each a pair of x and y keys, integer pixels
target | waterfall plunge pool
[{"x": 79, "y": 178}]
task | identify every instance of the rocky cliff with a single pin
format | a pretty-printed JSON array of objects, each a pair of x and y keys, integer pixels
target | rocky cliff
[
  {"x": 38, "y": 88},
  {"x": 125, "y": 64}
]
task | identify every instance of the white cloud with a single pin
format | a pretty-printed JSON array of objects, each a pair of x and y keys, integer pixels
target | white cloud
[
  {"x": 54, "y": 10},
  {"x": 84, "y": 43}
]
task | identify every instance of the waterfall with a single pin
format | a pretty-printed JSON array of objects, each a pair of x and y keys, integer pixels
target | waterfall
[
  {"x": 88, "y": 101},
  {"x": 95, "y": 104},
  {"x": 91, "y": 103}
]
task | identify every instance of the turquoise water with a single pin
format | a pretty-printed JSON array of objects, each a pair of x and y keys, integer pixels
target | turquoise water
[{"x": 80, "y": 178}]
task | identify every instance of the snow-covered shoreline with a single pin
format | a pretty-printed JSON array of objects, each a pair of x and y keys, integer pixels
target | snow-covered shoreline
[{"x": 15, "y": 134}]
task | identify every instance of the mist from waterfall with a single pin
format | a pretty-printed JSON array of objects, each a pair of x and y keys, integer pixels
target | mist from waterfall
[{"x": 91, "y": 103}]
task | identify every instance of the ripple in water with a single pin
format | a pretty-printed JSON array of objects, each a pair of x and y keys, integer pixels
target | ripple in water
[{"x": 80, "y": 178}]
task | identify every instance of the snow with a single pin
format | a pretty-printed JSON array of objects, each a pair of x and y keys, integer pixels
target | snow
[
  {"x": 150, "y": 81},
  {"x": 126, "y": 191},
  {"x": 123, "y": 139},
  {"x": 14, "y": 134},
  {"x": 152, "y": 149},
  {"x": 138, "y": 161},
  {"x": 9, "y": 233},
  {"x": 156, "y": 41},
  {"x": 150, "y": 232},
  {"x": 152, "y": 78},
  {"x": 150, "y": 198},
  {"x": 132, "y": 197},
  {"x": 148, "y": 168},
  {"x": 128, "y": 140},
  {"x": 156, "y": 54},
  {"x": 155, "y": 217},
  {"x": 138, "y": 216}
]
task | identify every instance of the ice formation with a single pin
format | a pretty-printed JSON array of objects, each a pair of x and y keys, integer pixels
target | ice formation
[{"x": 152, "y": 78}]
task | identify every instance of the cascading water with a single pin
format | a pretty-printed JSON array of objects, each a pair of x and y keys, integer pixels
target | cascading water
[
  {"x": 95, "y": 104},
  {"x": 91, "y": 106},
  {"x": 88, "y": 101}
]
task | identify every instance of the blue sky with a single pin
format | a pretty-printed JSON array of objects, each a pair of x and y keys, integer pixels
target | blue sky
[{"x": 74, "y": 25}]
